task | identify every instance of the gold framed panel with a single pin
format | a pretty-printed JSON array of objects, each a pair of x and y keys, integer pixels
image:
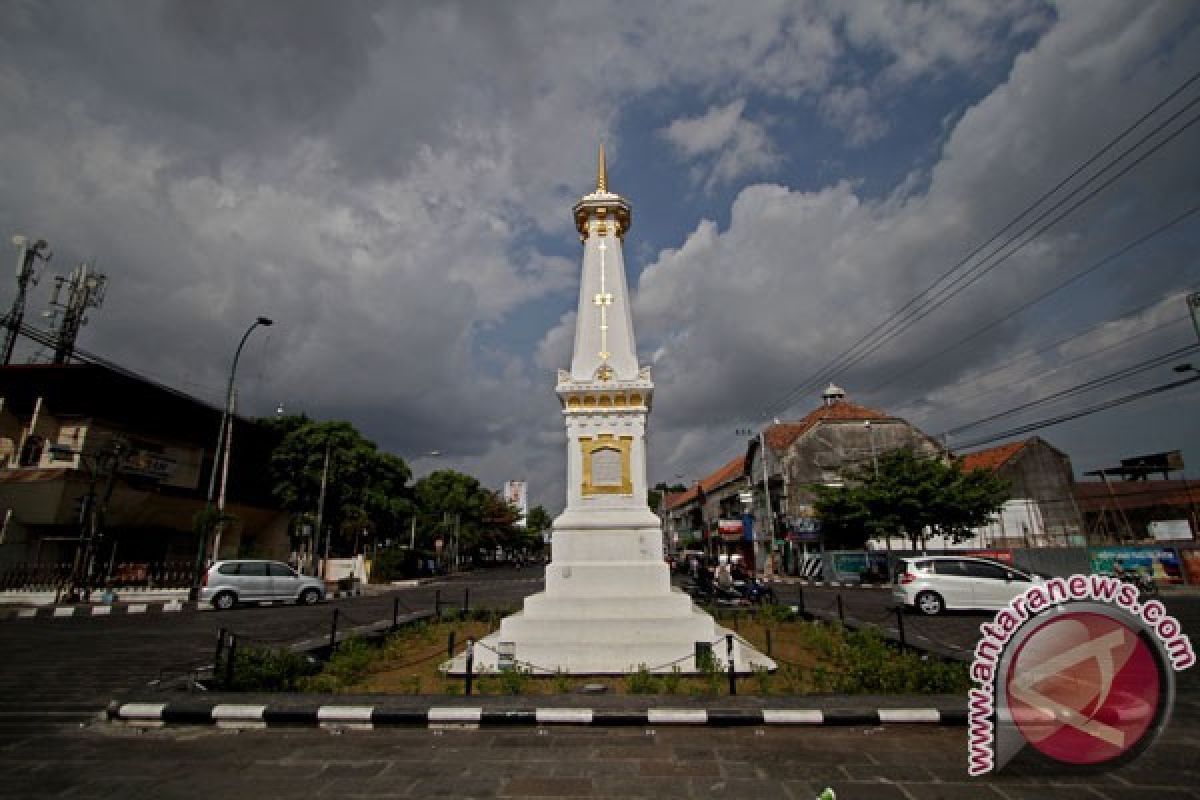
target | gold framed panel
[{"x": 623, "y": 445}]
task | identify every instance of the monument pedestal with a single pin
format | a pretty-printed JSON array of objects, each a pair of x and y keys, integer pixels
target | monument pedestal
[{"x": 604, "y": 612}]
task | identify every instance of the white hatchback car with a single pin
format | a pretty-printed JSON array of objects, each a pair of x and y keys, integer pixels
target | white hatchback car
[{"x": 933, "y": 584}]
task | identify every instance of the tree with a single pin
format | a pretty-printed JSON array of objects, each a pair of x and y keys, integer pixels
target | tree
[
  {"x": 909, "y": 494},
  {"x": 365, "y": 490}
]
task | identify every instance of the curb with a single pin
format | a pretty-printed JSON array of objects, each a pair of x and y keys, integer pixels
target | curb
[
  {"x": 123, "y": 608},
  {"x": 229, "y": 715},
  {"x": 833, "y": 584}
]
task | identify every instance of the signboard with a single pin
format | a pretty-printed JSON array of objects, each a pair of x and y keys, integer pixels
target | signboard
[
  {"x": 516, "y": 494},
  {"x": 995, "y": 555},
  {"x": 147, "y": 464},
  {"x": 1166, "y": 530},
  {"x": 1160, "y": 562},
  {"x": 1191, "y": 565}
]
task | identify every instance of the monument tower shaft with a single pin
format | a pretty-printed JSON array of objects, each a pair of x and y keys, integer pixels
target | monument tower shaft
[{"x": 608, "y": 606}]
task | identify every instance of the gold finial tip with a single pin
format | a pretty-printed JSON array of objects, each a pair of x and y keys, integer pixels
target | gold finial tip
[{"x": 602, "y": 173}]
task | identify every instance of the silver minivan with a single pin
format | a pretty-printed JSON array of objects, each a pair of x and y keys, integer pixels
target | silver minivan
[{"x": 228, "y": 583}]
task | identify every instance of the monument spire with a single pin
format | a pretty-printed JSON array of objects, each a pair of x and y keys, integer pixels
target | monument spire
[{"x": 601, "y": 173}]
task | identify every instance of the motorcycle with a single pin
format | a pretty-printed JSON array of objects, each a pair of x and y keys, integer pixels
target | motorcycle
[{"x": 1145, "y": 583}]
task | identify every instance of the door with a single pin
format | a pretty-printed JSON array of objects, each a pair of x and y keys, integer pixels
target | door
[
  {"x": 952, "y": 583},
  {"x": 253, "y": 582},
  {"x": 992, "y": 584},
  {"x": 285, "y": 583}
]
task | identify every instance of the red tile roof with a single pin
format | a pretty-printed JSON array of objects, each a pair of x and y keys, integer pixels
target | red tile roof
[
  {"x": 721, "y": 476},
  {"x": 781, "y": 436},
  {"x": 993, "y": 458}
]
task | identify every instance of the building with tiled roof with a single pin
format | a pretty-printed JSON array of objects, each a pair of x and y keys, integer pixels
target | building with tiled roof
[
  {"x": 1042, "y": 509},
  {"x": 816, "y": 449}
]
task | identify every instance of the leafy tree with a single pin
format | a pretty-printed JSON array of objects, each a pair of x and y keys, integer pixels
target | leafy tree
[
  {"x": 537, "y": 520},
  {"x": 365, "y": 490},
  {"x": 909, "y": 494}
]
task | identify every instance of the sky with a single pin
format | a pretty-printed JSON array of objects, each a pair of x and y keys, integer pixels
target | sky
[{"x": 392, "y": 184}]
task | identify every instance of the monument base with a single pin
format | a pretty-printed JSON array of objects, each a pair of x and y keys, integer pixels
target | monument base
[{"x": 606, "y": 613}]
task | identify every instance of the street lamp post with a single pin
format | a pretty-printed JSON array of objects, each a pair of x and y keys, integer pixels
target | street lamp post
[{"x": 222, "y": 439}]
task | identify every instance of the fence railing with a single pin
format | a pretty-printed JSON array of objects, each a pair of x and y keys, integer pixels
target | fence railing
[{"x": 124, "y": 575}]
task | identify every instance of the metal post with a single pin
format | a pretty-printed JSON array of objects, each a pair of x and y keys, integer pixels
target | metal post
[
  {"x": 321, "y": 514},
  {"x": 333, "y": 633},
  {"x": 466, "y": 606},
  {"x": 470, "y": 664},
  {"x": 800, "y": 599},
  {"x": 437, "y": 603},
  {"x": 768, "y": 641},
  {"x": 220, "y": 647},
  {"x": 395, "y": 612},
  {"x": 230, "y": 659},
  {"x": 900, "y": 627},
  {"x": 729, "y": 659},
  {"x": 450, "y": 645},
  {"x": 841, "y": 609}
]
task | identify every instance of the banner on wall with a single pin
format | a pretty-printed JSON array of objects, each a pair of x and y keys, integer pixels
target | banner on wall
[
  {"x": 850, "y": 565},
  {"x": 1160, "y": 562},
  {"x": 996, "y": 555}
]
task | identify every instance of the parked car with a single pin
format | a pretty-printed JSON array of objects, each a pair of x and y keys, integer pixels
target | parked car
[
  {"x": 228, "y": 583},
  {"x": 933, "y": 584}
]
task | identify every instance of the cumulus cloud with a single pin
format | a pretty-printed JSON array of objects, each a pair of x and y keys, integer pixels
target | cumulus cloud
[
  {"x": 734, "y": 145},
  {"x": 392, "y": 184}
]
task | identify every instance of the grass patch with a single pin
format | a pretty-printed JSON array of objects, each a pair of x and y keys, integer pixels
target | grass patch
[{"x": 813, "y": 658}]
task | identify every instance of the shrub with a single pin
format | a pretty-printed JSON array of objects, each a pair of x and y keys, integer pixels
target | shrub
[
  {"x": 671, "y": 681},
  {"x": 263, "y": 670},
  {"x": 642, "y": 682}
]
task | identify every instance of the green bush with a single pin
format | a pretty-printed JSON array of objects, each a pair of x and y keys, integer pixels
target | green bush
[
  {"x": 262, "y": 670},
  {"x": 642, "y": 682},
  {"x": 671, "y": 681}
]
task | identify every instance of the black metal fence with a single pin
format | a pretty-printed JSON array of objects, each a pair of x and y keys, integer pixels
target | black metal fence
[{"x": 127, "y": 575}]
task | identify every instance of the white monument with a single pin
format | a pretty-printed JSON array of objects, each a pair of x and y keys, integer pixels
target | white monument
[{"x": 608, "y": 606}]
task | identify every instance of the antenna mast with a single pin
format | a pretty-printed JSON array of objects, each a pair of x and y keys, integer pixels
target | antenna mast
[
  {"x": 27, "y": 257},
  {"x": 85, "y": 289}
]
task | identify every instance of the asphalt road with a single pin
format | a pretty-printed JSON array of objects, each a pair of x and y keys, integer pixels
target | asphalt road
[{"x": 58, "y": 674}]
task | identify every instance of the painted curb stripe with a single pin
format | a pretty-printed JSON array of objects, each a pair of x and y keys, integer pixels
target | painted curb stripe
[
  {"x": 677, "y": 716},
  {"x": 141, "y": 711},
  {"x": 228, "y": 712},
  {"x": 290, "y": 716},
  {"x": 508, "y": 718},
  {"x": 136, "y": 608},
  {"x": 455, "y": 714},
  {"x": 619, "y": 718},
  {"x": 728, "y": 718},
  {"x": 850, "y": 717},
  {"x": 800, "y": 716},
  {"x": 64, "y": 611},
  {"x": 357, "y": 714},
  {"x": 909, "y": 715},
  {"x": 399, "y": 718},
  {"x": 563, "y": 716},
  {"x": 188, "y": 715},
  {"x": 170, "y": 607},
  {"x": 100, "y": 611},
  {"x": 26, "y": 613}
]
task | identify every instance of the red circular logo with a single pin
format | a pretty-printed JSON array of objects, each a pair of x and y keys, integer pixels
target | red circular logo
[{"x": 1083, "y": 688}]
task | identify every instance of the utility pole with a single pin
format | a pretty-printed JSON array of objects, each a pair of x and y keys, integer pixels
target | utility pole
[
  {"x": 321, "y": 512},
  {"x": 85, "y": 289},
  {"x": 27, "y": 257}
]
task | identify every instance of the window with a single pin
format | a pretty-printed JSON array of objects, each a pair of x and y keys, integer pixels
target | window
[
  {"x": 951, "y": 568},
  {"x": 280, "y": 570},
  {"x": 981, "y": 569},
  {"x": 254, "y": 568},
  {"x": 229, "y": 569}
]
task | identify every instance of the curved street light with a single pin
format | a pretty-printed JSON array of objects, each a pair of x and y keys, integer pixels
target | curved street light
[{"x": 220, "y": 456}]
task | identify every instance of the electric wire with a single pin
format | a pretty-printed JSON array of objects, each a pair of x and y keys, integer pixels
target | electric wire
[
  {"x": 880, "y": 331},
  {"x": 1034, "y": 301},
  {"x": 1095, "y": 383},
  {"x": 1083, "y": 412}
]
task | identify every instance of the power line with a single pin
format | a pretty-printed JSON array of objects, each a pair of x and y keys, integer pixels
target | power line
[
  {"x": 929, "y": 299},
  {"x": 1095, "y": 383},
  {"x": 1161, "y": 229},
  {"x": 1046, "y": 423}
]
